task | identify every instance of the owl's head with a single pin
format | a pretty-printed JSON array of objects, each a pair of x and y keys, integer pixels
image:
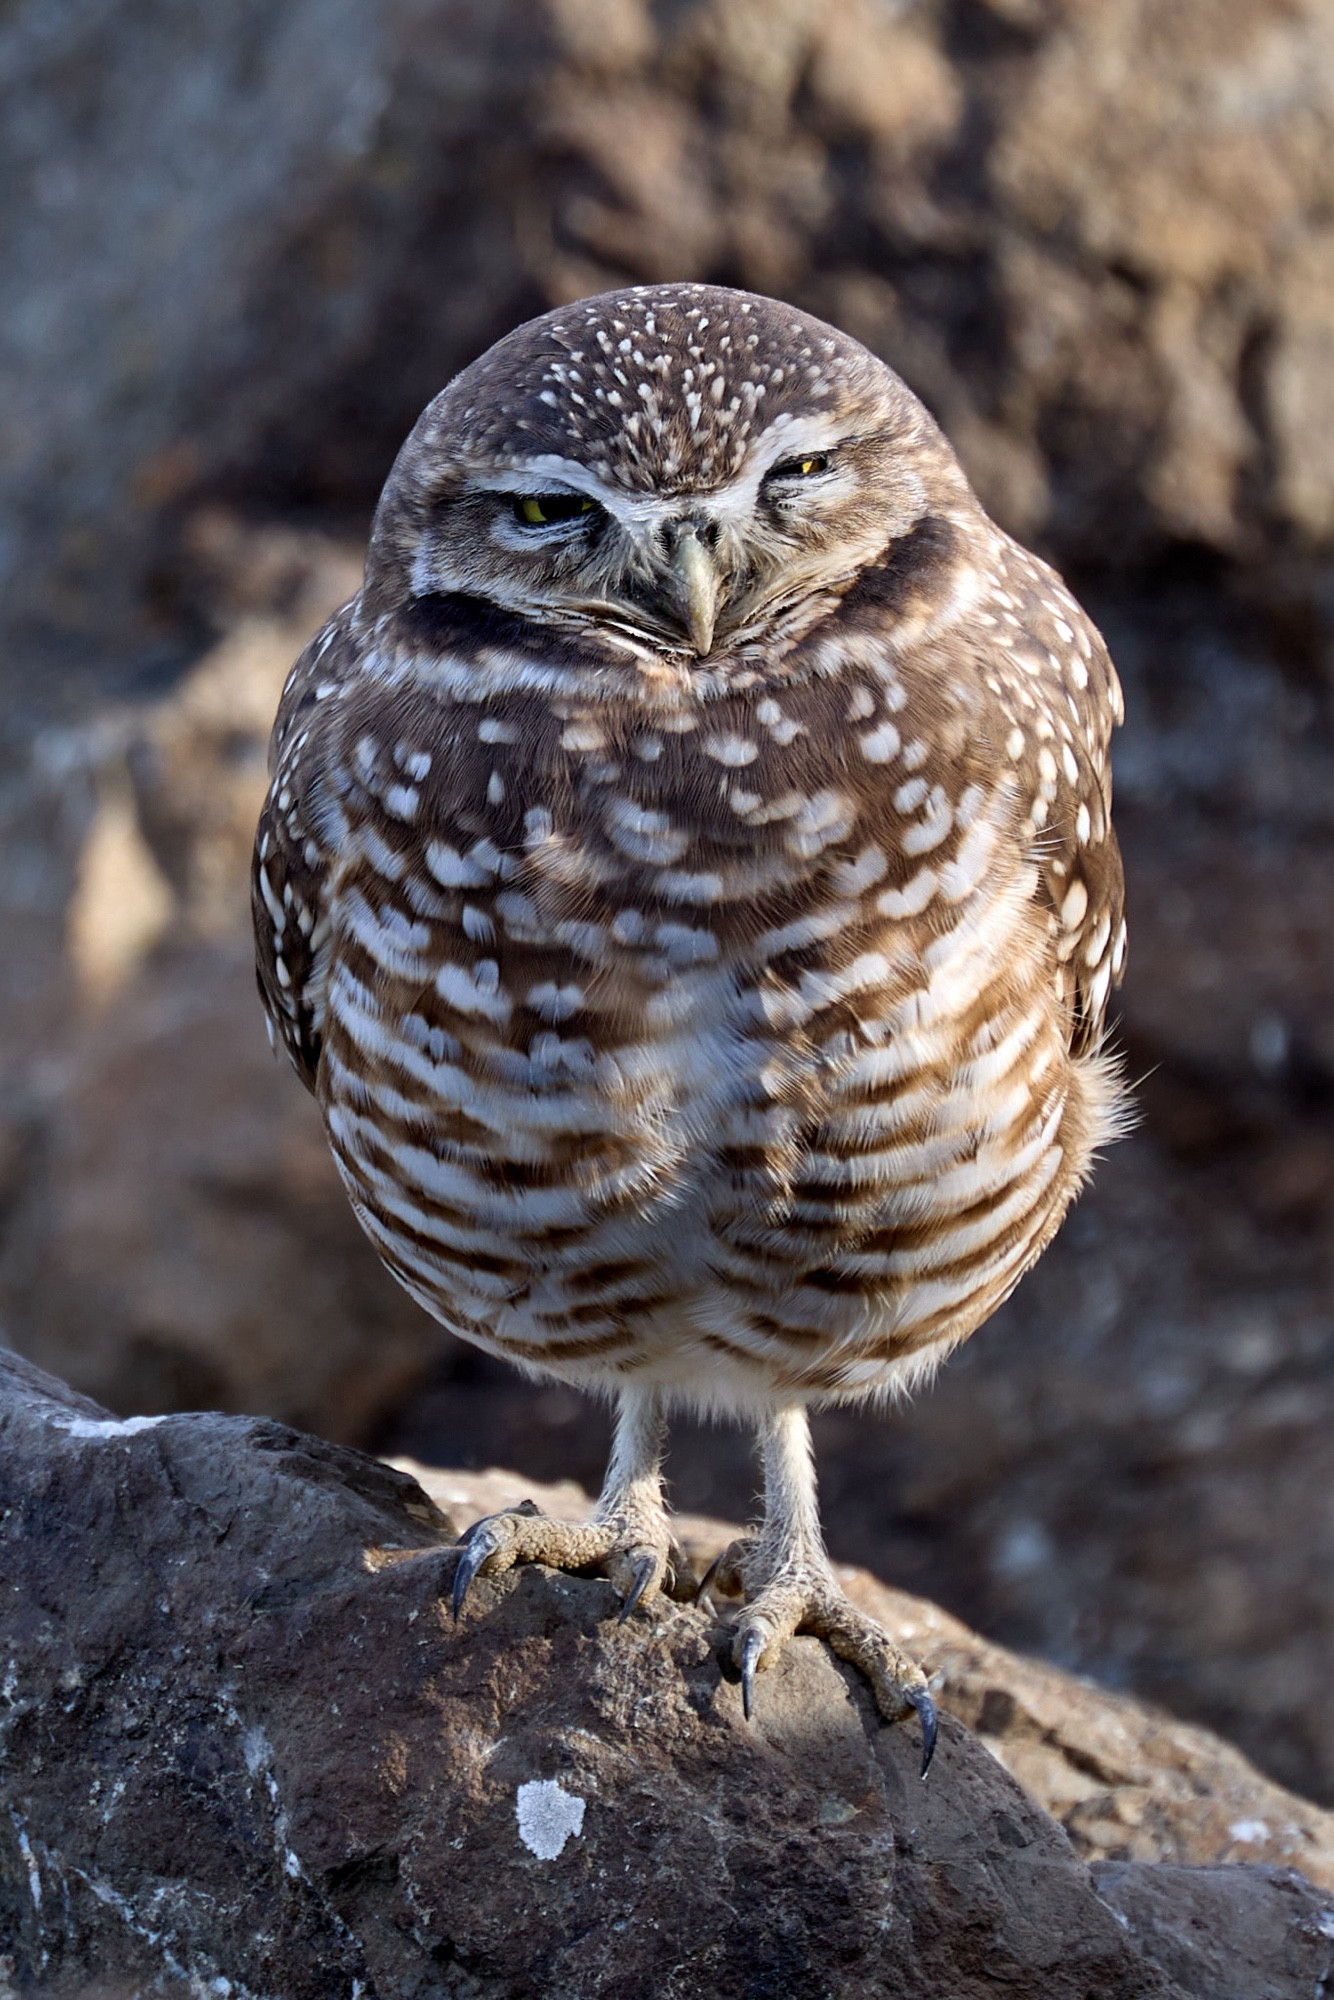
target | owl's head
[{"x": 683, "y": 464}]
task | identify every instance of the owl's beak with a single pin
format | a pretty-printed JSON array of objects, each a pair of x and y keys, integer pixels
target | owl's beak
[{"x": 696, "y": 585}]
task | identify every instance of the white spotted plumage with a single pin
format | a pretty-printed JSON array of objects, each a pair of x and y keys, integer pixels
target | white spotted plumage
[{"x": 713, "y": 899}]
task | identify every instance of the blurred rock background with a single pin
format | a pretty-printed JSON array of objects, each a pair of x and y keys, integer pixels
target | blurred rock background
[{"x": 241, "y": 247}]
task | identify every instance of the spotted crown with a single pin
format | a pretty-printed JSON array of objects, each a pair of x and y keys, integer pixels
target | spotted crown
[{"x": 658, "y": 389}]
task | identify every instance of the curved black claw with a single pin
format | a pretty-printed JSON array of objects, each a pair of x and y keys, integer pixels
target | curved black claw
[
  {"x": 926, "y": 1710},
  {"x": 644, "y": 1569},
  {"x": 473, "y": 1552},
  {"x": 751, "y": 1648},
  {"x": 702, "y": 1586}
]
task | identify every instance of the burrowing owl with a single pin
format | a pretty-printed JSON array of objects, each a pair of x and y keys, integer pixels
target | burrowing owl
[{"x": 688, "y": 887}]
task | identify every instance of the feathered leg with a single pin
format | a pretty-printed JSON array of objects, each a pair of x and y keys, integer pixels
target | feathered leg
[{"x": 789, "y": 1585}]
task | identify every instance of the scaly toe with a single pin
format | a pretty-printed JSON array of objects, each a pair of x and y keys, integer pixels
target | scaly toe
[
  {"x": 639, "y": 1568},
  {"x": 815, "y": 1604},
  {"x": 491, "y": 1544}
]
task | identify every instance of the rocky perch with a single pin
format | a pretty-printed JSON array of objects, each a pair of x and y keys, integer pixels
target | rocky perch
[{"x": 245, "y": 1753}]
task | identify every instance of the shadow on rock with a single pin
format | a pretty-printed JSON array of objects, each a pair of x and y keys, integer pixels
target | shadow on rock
[{"x": 244, "y": 1743}]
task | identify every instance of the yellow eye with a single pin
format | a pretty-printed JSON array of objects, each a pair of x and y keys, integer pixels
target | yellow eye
[
  {"x": 540, "y": 510},
  {"x": 801, "y": 468}
]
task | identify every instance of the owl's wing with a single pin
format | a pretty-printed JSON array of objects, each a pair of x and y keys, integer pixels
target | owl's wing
[
  {"x": 293, "y": 858},
  {"x": 1061, "y": 701}
]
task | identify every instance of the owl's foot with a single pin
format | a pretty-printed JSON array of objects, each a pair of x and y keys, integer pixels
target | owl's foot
[
  {"x": 634, "y": 1549},
  {"x": 804, "y": 1596}
]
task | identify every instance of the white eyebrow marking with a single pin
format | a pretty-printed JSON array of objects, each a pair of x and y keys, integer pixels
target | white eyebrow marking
[{"x": 640, "y": 513}]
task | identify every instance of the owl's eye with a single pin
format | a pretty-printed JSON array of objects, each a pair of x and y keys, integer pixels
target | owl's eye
[
  {"x": 545, "y": 510},
  {"x": 800, "y": 468}
]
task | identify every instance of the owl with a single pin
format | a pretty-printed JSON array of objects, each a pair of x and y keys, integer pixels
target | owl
[{"x": 687, "y": 885}]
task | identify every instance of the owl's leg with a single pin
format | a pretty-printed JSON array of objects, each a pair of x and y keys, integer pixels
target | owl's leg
[
  {"x": 628, "y": 1536},
  {"x": 789, "y": 1586}
]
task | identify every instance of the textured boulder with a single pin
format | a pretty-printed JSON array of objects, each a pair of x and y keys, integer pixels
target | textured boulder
[
  {"x": 174, "y": 1224},
  {"x": 243, "y": 1744},
  {"x": 208, "y": 213},
  {"x": 1224, "y": 1933},
  {"x": 244, "y": 244},
  {"x": 1126, "y": 1781}
]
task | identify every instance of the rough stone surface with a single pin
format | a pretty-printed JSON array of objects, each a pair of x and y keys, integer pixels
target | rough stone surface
[
  {"x": 1126, "y": 1781},
  {"x": 172, "y": 1222},
  {"x": 243, "y": 1743},
  {"x": 1242, "y": 1933},
  {"x": 243, "y": 245},
  {"x": 212, "y": 215}
]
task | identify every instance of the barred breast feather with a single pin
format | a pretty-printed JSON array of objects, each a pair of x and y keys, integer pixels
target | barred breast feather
[{"x": 739, "y": 1026}]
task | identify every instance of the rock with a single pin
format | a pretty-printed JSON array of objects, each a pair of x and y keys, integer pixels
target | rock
[
  {"x": 1224, "y": 1933},
  {"x": 208, "y": 213},
  {"x": 246, "y": 245},
  {"x": 174, "y": 1227},
  {"x": 243, "y": 1743},
  {"x": 1126, "y": 1781}
]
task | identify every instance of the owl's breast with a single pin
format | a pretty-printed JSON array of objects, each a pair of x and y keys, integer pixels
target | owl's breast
[
  {"x": 651, "y": 1033},
  {"x": 542, "y": 1035},
  {"x": 529, "y": 1138}
]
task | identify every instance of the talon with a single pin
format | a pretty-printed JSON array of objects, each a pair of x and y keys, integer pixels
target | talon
[
  {"x": 926, "y": 1709},
  {"x": 473, "y": 1552},
  {"x": 644, "y": 1569},
  {"x": 679, "y": 1578},
  {"x": 701, "y": 1588},
  {"x": 752, "y": 1646}
]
